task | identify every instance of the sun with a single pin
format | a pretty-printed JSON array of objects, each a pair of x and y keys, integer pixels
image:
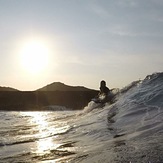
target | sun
[{"x": 34, "y": 56}]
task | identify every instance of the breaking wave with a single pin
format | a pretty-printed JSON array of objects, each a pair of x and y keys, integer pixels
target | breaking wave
[{"x": 128, "y": 130}]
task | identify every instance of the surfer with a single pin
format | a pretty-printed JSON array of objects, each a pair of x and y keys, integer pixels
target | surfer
[
  {"x": 104, "y": 90},
  {"x": 104, "y": 94}
]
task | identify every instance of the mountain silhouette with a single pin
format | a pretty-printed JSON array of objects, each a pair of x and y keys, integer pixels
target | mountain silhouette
[
  {"x": 57, "y": 93},
  {"x": 58, "y": 86},
  {"x": 7, "y": 89}
]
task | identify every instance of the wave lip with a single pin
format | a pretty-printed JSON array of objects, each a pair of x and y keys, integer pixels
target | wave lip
[{"x": 137, "y": 120}]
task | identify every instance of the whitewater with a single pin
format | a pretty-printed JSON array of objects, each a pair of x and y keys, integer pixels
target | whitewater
[{"x": 130, "y": 130}]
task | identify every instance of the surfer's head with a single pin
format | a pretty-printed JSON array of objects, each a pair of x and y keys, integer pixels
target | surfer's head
[{"x": 102, "y": 83}]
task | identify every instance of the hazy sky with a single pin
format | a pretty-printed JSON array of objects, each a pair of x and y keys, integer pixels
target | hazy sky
[{"x": 85, "y": 40}]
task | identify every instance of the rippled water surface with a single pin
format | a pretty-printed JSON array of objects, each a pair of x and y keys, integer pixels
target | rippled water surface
[
  {"x": 32, "y": 136},
  {"x": 127, "y": 131}
]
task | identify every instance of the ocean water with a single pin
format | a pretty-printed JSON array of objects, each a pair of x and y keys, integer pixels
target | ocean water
[{"x": 127, "y": 131}]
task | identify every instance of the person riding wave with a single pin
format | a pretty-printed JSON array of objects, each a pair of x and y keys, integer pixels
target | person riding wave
[
  {"x": 104, "y": 95},
  {"x": 104, "y": 92}
]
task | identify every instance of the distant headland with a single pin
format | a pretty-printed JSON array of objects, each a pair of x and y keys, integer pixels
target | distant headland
[{"x": 57, "y": 93}]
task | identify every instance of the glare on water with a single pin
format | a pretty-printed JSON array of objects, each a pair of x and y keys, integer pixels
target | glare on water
[{"x": 45, "y": 132}]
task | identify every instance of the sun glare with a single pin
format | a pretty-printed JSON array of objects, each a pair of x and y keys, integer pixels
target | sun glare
[
  {"x": 39, "y": 123},
  {"x": 34, "y": 56}
]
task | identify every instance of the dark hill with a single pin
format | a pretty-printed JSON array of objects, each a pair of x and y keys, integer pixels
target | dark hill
[
  {"x": 7, "y": 89},
  {"x": 57, "y": 86},
  {"x": 74, "y": 97}
]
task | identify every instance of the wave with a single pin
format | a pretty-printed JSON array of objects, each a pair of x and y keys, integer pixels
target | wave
[
  {"x": 139, "y": 112},
  {"x": 128, "y": 130}
]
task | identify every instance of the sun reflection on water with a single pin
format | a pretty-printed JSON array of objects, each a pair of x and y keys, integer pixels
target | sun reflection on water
[
  {"x": 40, "y": 119},
  {"x": 45, "y": 145},
  {"x": 44, "y": 132}
]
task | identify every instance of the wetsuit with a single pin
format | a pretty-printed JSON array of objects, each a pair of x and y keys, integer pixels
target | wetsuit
[{"x": 104, "y": 90}]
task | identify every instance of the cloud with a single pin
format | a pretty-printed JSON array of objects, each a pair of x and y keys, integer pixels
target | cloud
[
  {"x": 127, "y": 3},
  {"x": 99, "y": 10},
  {"x": 130, "y": 18}
]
